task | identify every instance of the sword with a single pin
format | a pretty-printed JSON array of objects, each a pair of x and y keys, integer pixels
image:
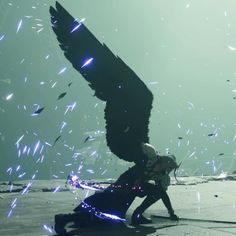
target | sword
[{"x": 197, "y": 220}]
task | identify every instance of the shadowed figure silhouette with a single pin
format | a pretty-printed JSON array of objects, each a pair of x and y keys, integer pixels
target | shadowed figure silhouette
[{"x": 127, "y": 113}]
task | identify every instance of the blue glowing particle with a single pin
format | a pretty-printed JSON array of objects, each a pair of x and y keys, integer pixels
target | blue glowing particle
[
  {"x": 87, "y": 62},
  {"x": 19, "y": 26},
  {"x": 75, "y": 28}
]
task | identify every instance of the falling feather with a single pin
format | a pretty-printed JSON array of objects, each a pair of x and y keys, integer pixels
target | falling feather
[
  {"x": 62, "y": 95},
  {"x": 87, "y": 139},
  {"x": 56, "y": 140},
  {"x": 38, "y": 111}
]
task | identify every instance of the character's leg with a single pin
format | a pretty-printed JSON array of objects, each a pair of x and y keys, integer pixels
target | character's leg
[{"x": 153, "y": 195}]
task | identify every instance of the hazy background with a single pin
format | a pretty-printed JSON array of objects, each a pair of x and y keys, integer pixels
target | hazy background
[{"x": 185, "y": 51}]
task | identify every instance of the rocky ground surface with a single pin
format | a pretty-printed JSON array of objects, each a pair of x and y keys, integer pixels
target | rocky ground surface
[{"x": 205, "y": 205}]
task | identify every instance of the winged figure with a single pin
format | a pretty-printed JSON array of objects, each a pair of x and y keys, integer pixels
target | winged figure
[{"x": 127, "y": 113}]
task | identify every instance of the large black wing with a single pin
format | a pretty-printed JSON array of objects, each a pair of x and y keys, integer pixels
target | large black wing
[{"x": 128, "y": 100}]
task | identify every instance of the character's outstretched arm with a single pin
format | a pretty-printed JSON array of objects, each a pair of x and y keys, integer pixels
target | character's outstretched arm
[{"x": 166, "y": 200}]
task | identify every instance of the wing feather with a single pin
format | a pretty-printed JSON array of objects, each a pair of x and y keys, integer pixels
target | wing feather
[{"x": 128, "y": 100}]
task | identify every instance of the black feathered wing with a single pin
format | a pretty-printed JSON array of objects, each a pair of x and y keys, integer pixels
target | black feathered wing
[{"x": 128, "y": 100}]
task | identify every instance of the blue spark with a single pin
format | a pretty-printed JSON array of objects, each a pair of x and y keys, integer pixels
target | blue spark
[
  {"x": 11, "y": 187},
  {"x": 24, "y": 150},
  {"x": 62, "y": 71},
  {"x": 192, "y": 154},
  {"x": 62, "y": 126},
  {"x": 42, "y": 158},
  {"x": 27, "y": 188},
  {"x": 9, "y": 170},
  {"x": 9, "y": 96},
  {"x": 9, "y": 214},
  {"x": 70, "y": 107},
  {"x": 103, "y": 172},
  {"x": 40, "y": 152},
  {"x": 54, "y": 85},
  {"x": 14, "y": 201},
  {"x": 69, "y": 164},
  {"x": 87, "y": 187},
  {"x": 87, "y": 62},
  {"x": 47, "y": 228},
  {"x": 18, "y": 167},
  {"x": 28, "y": 151},
  {"x": 113, "y": 217},
  {"x": 56, "y": 189},
  {"x": 101, "y": 214},
  {"x": 48, "y": 144},
  {"x": 19, "y": 26},
  {"x": 75, "y": 28},
  {"x": 36, "y": 147},
  {"x": 2, "y": 37},
  {"x": 73, "y": 106},
  {"x": 19, "y": 153},
  {"x": 21, "y": 175},
  {"x": 93, "y": 153}
]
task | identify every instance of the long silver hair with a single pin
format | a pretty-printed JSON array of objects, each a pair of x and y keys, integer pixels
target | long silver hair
[{"x": 170, "y": 160}]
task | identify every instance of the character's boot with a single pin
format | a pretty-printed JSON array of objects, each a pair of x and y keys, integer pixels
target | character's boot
[
  {"x": 137, "y": 217},
  {"x": 80, "y": 218},
  {"x": 61, "y": 221}
]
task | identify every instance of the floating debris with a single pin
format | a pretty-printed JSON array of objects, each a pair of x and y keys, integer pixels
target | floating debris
[
  {"x": 38, "y": 111},
  {"x": 87, "y": 139},
  {"x": 61, "y": 96},
  {"x": 56, "y": 140}
]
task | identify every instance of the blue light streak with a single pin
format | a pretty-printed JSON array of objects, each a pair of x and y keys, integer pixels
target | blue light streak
[
  {"x": 19, "y": 26},
  {"x": 87, "y": 62},
  {"x": 75, "y": 28},
  {"x": 2, "y": 37}
]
